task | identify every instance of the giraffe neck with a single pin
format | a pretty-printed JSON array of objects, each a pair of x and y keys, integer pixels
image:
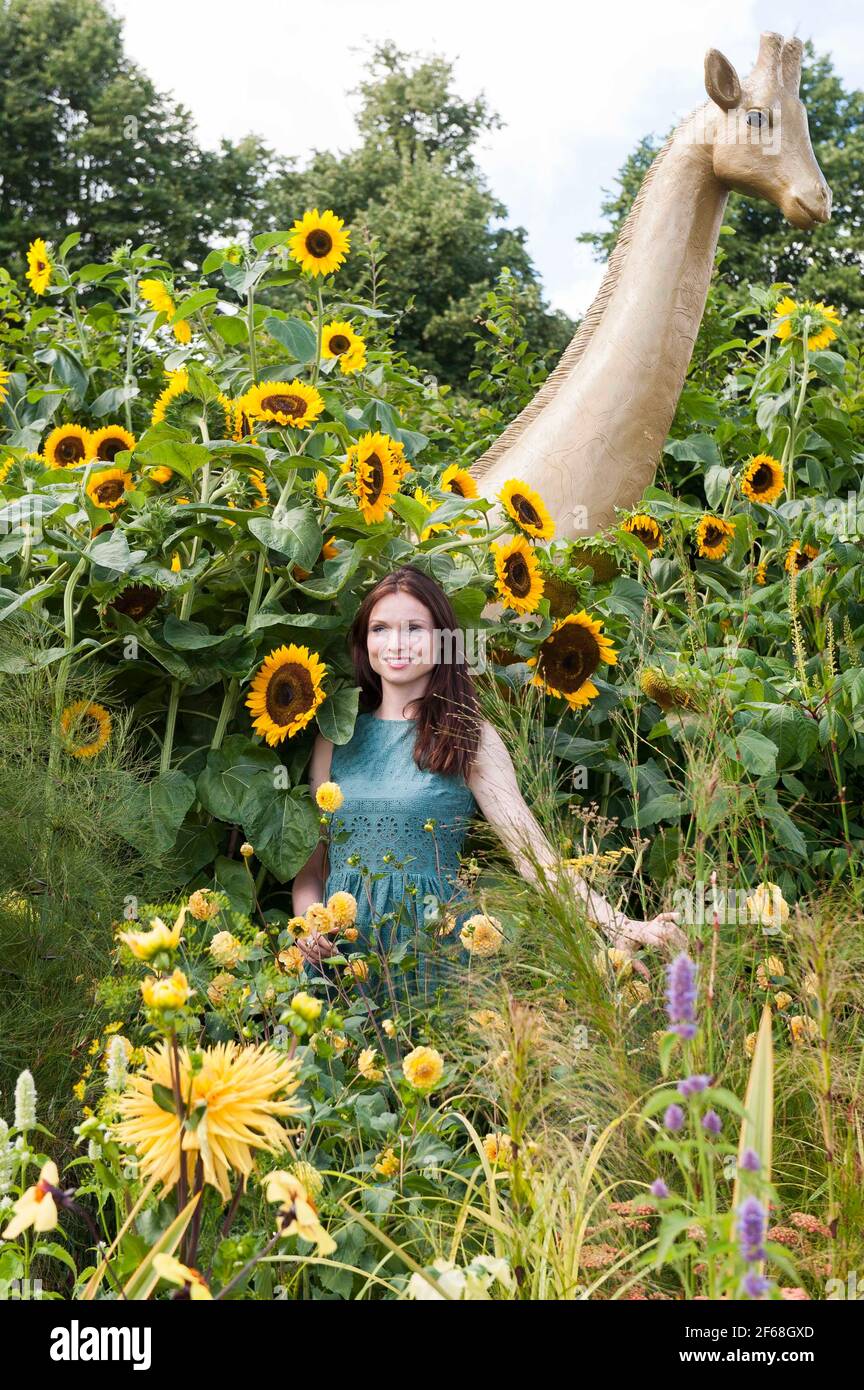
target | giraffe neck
[{"x": 595, "y": 440}]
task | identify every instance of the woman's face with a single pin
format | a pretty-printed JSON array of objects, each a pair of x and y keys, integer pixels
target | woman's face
[{"x": 400, "y": 639}]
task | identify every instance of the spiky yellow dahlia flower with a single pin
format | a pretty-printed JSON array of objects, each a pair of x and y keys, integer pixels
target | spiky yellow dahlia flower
[{"x": 235, "y": 1100}]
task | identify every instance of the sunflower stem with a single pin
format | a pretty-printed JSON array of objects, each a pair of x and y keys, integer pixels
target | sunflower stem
[
  {"x": 319, "y": 334},
  {"x": 250, "y": 315},
  {"x": 129, "y": 379}
]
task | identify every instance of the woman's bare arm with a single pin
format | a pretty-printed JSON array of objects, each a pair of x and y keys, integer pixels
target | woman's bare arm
[
  {"x": 308, "y": 886},
  {"x": 496, "y": 790}
]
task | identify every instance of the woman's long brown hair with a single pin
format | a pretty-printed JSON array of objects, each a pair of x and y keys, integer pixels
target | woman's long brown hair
[{"x": 448, "y": 714}]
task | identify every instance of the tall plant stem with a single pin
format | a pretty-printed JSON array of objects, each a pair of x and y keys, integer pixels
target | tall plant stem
[
  {"x": 253, "y": 351},
  {"x": 185, "y": 610}
]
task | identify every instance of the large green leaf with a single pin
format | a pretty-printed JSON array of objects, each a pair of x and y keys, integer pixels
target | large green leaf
[
  {"x": 338, "y": 714},
  {"x": 158, "y": 810},
  {"x": 181, "y": 458},
  {"x": 753, "y": 751},
  {"x": 296, "y": 535},
  {"x": 795, "y": 735},
  {"x": 283, "y": 827},
  {"x": 231, "y": 770},
  {"x": 294, "y": 335}
]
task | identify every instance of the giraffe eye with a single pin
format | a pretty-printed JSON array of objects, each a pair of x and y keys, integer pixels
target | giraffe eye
[{"x": 756, "y": 119}]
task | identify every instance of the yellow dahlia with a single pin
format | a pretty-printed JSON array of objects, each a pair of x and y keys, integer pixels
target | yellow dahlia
[
  {"x": 329, "y": 797},
  {"x": 569, "y": 657},
  {"x": 498, "y": 1148},
  {"x": 231, "y": 1099},
  {"x": 527, "y": 509},
  {"x": 225, "y": 949},
  {"x": 342, "y": 907},
  {"x": 306, "y": 1006},
  {"x": 108, "y": 488},
  {"x": 204, "y": 905},
  {"x": 86, "y": 728},
  {"x": 762, "y": 479},
  {"x": 144, "y": 945},
  {"x": 286, "y": 692},
  {"x": 298, "y": 1215},
  {"x": 519, "y": 580},
  {"x": 481, "y": 935},
  {"x": 645, "y": 529},
  {"x": 166, "y": 991},
  {"x": 423, "y": 1068},
  {"x": 39, "y": 266},
  {"x": 767, "y": 906},
  {"x": 284, "y": 403},
  {"x": 713, "y": 536},
  {"x": 769, "y": 971},
  {"x": 386, "y": 1165},
  {"x": 803, "y": 1029},
  {"x": 366, "y": 1065},
  {"x": 798, "y": 556},
  {"x": 66, "y": 446},
  {"x": 318, "y": 242}
]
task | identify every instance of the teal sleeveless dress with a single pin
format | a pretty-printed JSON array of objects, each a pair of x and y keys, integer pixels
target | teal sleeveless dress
[{"x": 402, "y": 900}]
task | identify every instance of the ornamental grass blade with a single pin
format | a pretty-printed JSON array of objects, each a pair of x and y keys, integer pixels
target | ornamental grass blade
[
  {"x": 141, "y": 1284},
  {"x": 757, "y": 1126}
]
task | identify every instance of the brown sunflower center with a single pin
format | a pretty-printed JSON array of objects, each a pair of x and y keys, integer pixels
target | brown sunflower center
[
  {"x": 526, "y": 512},
  {"x": 110, "y": 491},
  {"x": 569, "y": 657},
  {"x": 713, "y": 536},
  {"x": 87, "y": 730},
  {"x": 339, "y": 343},
  {"x": 319, "y": 243},
  {"x": 289, "y": 693},
  {"x": 295, "y": 406},
  {"x": 518, "y": 576},
  {"x": 70, "y": 450},
  {"x": 763, "y": 479},
  {"x": 646, "y": 535},
  {"x": 457, "y": 488},
  {"x": 136, "y": 601},
  {"x": 375, "y": 478},
  {"x": 109, "y": 449}
]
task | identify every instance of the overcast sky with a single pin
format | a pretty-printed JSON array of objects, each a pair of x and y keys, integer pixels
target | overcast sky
[{"x": 577, "y": 83}]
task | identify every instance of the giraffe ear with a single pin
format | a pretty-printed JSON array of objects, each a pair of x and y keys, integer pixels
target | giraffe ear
[{"x": 721, "y": 80}]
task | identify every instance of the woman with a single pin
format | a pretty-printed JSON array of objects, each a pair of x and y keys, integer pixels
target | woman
[{"x": 420, "y": 762}]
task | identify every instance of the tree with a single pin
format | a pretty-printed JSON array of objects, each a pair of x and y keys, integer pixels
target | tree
[
  {"x": 87, "y": 143},
  {"x": 415, "y": 184},
  {"x": 824, "y": 263}
]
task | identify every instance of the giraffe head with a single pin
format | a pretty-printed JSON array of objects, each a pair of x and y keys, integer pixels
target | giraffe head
[{"x": 761, "y": 142}]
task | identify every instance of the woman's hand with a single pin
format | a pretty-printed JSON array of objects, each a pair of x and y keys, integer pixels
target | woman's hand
[
  {"x": 661, "y": 931},
  {"x": 315, "y": 947}
]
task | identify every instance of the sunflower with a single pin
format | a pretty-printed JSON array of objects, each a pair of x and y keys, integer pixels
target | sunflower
[
  {"x": 286, "y": 692},
  {"x": 762, "y": 479},
  {"x": 108, "y": 488},
  {"x": 669, "y": 692},
  {"x": 798, "y": 557},
  {"x": 231, "y": 1096},
  {"x": 761, "y": 572},
  {"x": 178, "y": 383},
  {"x": 318, "y": 242},
  {"x": 4, "y": 381},
  {"x": 569, "y": 657},
  {"x": 283, "y": 403},
  {"x": 519, "y": 580},
  {"x": 107, "y": 443},
  {"x": 252, "y": 487},
  {"x": 399, "y": 463},
  {"x": 67, "y": 445},
  {"x": 375, "y": 483},
  {"x": 136, "y": 601},
  {"x": 86, "y": 727},
  {"x": 39, "y": 266},
  {"x": 458, "y": 481},
  {"x": 160, "y": 474},
  {"x": 713, "y": 535},
  {"x": 241, "y": 425},
  {"x": 527, "y": 509},
  {"x": 792, "y": 325},
  {"x": 338, "y": 339},
  {"x": 645, "y": 529},
  {"x": 155, "y": 293},
  {"x": 5, "y": 469}
]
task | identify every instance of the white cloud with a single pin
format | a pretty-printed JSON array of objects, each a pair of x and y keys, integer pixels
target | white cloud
[{"x": 577, "y": 84}]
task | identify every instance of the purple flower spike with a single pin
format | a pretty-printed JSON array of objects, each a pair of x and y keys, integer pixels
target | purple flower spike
[
  {"x": 751, "y": 1229},
  {"x": 755, "y": 1285},
  {"x": 712, "y": 1122},
  {"x": 692, "y": 1085},
  {"x": 750, "y": 1161},
  {"x": 658, "y": 1188},
  {"x": 681, "y": 996},
  {"x": 674, "y": 1117}
]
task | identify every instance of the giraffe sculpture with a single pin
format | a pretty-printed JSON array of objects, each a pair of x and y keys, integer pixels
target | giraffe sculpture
[{"x": 590, "y": 441}]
